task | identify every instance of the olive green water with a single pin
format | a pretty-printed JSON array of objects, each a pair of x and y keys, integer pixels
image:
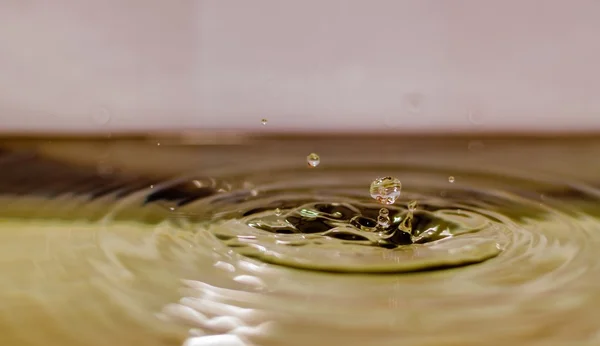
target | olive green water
[{"x": 127, "y": 242}]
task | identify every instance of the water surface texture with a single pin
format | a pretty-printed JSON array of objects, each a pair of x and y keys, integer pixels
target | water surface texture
[{"x": 166, "y": 242}]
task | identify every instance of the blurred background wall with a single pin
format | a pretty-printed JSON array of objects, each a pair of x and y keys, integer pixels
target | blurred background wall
[{"x": 327, "y": 65}]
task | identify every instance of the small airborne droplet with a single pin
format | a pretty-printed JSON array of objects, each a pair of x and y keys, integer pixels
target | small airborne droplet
[
  {"x": 385, "y": 190},
  {"x": 278, "y": 212},
  {"x": 264, "y": 121},
  {"x": 313, "y": 160},
  {"x": 451, "y": 179}
]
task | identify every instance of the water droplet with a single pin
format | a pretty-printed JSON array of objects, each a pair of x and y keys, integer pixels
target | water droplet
[
  {"x": 413, "y": 102},
  {"x": 451, "y": 179},
  {"x": 475, "y": 117},
  {"x": 151, "y": 186},
  {"x": 101, "y": 116},
  {"x": 172, "y": 209},
  {"x": 386, "y": 190},
  {"x": 383, "y": 220},
  {"x": 313, "y": 160},
  {"x": 278, "y": 212},
  {"x": 158, "y": 144},
  {"x": 264, "y": 121}
]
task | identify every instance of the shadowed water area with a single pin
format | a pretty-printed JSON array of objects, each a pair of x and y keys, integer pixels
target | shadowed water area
[{"x": 238, "y": 241}]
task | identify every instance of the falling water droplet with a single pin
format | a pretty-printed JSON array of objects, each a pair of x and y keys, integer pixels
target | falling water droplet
[
  {"x": 386, "y": 190},
  {"x": 151, "y": 186},
  {"x": 264, "y": 121},
  {"x": 383, "y": 220},
  {"x": 451, "y": 179},
  {"x": 313, "y": 160},
  {"x": 158, "y": 144},
  {"x": 278, "y": 212}
]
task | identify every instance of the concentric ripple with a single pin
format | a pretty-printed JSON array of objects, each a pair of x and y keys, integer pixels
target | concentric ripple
[
  {"x": 302, "y": 222},
  {"x": 249, "y": 252}
]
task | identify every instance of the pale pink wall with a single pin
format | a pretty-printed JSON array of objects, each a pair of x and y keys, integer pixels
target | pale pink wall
[{"x": 323, "y": 64}]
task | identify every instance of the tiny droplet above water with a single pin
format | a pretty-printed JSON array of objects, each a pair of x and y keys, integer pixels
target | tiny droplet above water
[
  {"x": 278, "y": 212},
  {"x": 101, "y": 115},
  {"x": 386, "y": 190},
  {"x": 264, "y": 121},
  {"x": 451, "y": 179},
  {"x": 313, "y": 160}
]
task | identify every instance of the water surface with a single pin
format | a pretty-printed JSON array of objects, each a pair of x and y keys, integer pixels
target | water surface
[{"x": 131, "y": 242}]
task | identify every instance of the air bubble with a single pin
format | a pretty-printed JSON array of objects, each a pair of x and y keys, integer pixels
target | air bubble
[
  {"x": 278, "y": 212},
  {"x": 313, "y": 160},
  {"x": 264, "y": 121},
  {"x": 386, "y": 190},
  {"x": 451, "y": 179}
]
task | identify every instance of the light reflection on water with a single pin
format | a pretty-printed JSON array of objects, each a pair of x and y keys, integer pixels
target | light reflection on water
[{"x": 110, "y": 269}]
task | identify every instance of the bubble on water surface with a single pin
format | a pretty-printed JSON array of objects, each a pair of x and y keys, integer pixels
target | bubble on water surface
[
  {"x": 264, "y": 121},
  {"x": 451, "y": 179}
]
